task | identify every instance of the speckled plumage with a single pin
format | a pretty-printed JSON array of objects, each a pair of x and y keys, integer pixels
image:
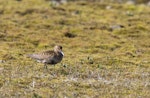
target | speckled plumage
[{"x": 49, "y": 57}]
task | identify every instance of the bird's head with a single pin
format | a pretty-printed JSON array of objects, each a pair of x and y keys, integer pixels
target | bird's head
[{"x": 58, "y": 48}]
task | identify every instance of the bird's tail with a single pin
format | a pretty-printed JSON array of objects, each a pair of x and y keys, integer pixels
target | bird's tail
[{"x": 33, "y": 56}]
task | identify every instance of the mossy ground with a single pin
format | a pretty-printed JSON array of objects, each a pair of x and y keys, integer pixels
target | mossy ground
[{"x": 106, "y": 46}]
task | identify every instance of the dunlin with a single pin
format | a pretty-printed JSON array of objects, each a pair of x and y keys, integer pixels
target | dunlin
[{"x": 49, "y": 57}]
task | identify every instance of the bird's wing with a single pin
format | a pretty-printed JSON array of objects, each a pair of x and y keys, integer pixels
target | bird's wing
[{"x": 42, "y": 55}]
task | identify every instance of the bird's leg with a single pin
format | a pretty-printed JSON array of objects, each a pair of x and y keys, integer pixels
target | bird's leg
[{"x": 45, "y": 66}]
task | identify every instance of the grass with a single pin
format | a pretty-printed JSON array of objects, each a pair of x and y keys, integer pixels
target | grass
[{"x": 100, "y": 61}]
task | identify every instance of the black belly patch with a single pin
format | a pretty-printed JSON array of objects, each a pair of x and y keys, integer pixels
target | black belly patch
[{"x": 51, "y": 62}]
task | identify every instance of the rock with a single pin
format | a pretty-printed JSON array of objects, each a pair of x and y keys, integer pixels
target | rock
[
  {"x": 148, "y": 3},
  {"x": 108, "y": 7},
  {"x": 58, "y": 2},
  {"x": 130, "y": 2},
  {"x": 2, "y": 61},
  {"x": 115, "y": 27}
]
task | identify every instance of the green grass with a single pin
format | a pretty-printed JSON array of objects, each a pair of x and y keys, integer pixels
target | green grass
[{"x": 100, "y": 61}]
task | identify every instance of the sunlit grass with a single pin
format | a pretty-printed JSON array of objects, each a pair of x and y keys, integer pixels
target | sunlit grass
[{"x": 101, "y": 61}]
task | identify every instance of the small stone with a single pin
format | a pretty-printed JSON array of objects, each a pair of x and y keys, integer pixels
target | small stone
[
  {"x": 108, "y": 7},
  {"x": 2, "y": 61},
  {"x": 116, "y": 27},
  {"x": 58, "y": 2},
  {"x": 148, "y": 3},
  {"x": 130, "y": 2}
]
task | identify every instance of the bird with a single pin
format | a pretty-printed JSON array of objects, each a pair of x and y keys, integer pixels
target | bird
[{"x": 51, "y": 57}]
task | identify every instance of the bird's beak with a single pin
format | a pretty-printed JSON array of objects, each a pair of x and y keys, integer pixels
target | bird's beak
[{"x": 62, "y": 53}]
